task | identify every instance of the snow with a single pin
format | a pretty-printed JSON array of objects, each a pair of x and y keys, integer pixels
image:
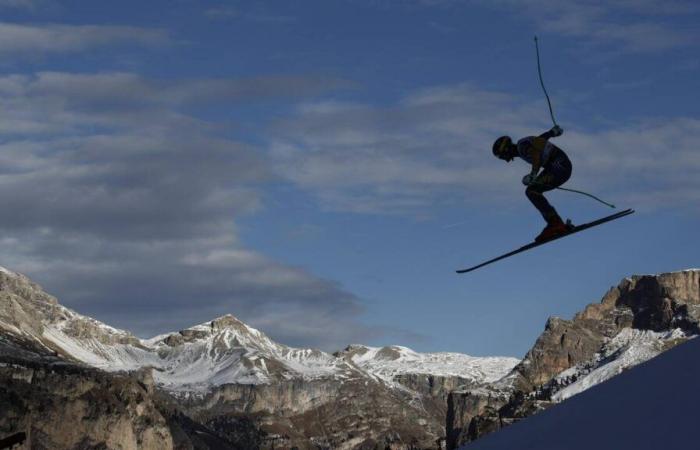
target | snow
[
  {"x": 629, "y": 348},
  {"x": 91, "y": 351},
  {"x": 226, "y": 351},
  {"x": 651, "y": 406},
  {"x": 211, "y": 357},
  {"x": 388, "y": 362}
]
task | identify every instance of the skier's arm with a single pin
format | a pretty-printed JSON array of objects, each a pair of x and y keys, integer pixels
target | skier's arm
[
  {"x": 554, "y": 132},
  {"x": 547, "y": 135}
]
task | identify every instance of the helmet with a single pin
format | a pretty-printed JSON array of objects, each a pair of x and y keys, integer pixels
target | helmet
[{"x": 500, "y": 146}]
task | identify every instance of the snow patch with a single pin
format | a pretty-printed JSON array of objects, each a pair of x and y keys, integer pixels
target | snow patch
[
  {"x": 628, "y": 348},
  {"x": 388, "y": 362}
]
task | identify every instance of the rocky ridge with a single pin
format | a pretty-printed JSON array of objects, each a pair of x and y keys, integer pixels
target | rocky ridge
[
  {"x": 225, "y": 375},
  {"x": 223, "y": 384},
  {"x": 635, "y": 321}
]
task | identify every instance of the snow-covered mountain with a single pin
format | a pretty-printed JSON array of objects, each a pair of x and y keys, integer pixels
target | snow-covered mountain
[
  {"x": 635, "y": 321},
  {"x": 652, "y": 406},
  {"x": 393, "y": 361},
  {"x": 223, "y": 351},
  {"x": 231, "y": 382},
  {"x": 627, "y": 349},
  {"x": 228, "y": 381}
]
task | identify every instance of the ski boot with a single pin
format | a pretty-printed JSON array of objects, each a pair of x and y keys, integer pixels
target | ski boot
[{"x": 554, "y": 229}]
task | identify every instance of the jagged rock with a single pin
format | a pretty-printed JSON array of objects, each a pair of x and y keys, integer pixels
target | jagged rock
[
  {"x": 668, "y": 303},
  {"x": 563, "y": 344},
  {"x": 63, "y": 406},
  {"x": 330, "y": 414},
  {"x": 468, "y": 411}
]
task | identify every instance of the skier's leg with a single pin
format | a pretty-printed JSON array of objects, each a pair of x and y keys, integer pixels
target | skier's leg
[
  {"x": 553, "y": 176},
  {"x": 535, "y": 195}
]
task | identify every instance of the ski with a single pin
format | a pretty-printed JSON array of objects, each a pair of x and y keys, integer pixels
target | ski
[{"x": 573, "y": 230}]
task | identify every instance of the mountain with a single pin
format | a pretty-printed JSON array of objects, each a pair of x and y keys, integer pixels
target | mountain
[
  {"x": 635, "y": 321},
  {"x": 651, "y": 406},
  {"x": 225, "y": 385},
  {"x": 222, "y": 373},
  {"x": 390, "y": 363},
  {"x": 222, "y": 351}
]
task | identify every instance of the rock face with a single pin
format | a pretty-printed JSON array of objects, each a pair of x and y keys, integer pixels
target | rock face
[
  {"x": 641, "y": 317},
  {"x": 64, "y": 405},
  {"x": 325, "y": 414}
]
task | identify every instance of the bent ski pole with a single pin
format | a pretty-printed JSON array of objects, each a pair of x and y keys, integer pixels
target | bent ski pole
[
  {"x": 588, "y": 195},
  {"x": 539, "y": 72}
]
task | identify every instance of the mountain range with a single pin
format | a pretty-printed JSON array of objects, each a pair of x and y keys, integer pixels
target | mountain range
[{"x": 224, "y": 384}]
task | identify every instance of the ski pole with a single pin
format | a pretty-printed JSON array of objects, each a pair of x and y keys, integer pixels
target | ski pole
[
  {"x": 588, "y": 195},
  {"x": 579, "y": 192},
  {"x": 539, "y": 72}
]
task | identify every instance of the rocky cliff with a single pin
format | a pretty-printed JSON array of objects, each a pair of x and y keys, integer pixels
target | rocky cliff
[
  {"x": 635, "y": 321},
  {"x": 65, "y": 405}
]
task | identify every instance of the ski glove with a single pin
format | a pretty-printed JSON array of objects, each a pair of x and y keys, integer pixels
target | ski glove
[
  {"x": 556, "y": 131},
  {"x": 529, "y": 179}
]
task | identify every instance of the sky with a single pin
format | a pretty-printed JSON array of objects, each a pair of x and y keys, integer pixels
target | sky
[{"x": 320, "y": 169}]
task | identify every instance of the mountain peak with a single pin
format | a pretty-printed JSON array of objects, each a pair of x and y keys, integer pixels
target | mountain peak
[
  {"x": 220, "y": 324},
  {"x": 227, "y": 321}
]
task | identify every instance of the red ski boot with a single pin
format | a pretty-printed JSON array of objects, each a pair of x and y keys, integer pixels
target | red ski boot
[{"x": 553, "y": 229}]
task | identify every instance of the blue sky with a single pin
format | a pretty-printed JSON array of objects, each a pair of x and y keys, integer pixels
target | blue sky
[{"x": 320, "y": 168}]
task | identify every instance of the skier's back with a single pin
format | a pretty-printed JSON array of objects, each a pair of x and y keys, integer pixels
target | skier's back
[{"x": 556, "y": 170}]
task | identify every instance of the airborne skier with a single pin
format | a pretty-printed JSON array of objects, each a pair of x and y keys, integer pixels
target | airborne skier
[
  {"x": 556, "y": 170},
  {"x": 541, "y": 154}
]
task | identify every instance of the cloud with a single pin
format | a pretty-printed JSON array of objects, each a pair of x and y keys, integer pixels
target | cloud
[
  {"x": 432, "y": 149},
  {"x": 124, "y": 204},
  {"x": 56, "y": 38},
  {"x": 227, "y": 12},
  {"x": 653, "y": 165},
  {"x": 29, "y": 5},
  {"x": 620, "y": 25},
  {"x": 612, "y": 26},
  {"x": 56, "y": 102},
  {"x": 223, "y": 12}
]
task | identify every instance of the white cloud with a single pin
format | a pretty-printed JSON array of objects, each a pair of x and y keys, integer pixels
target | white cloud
[
  {"x": 652, "y": 165},
  {"x": 29, "y": 5},
  {"x": 59, "y": 102},
  {"x": 222, "y": 12},
  {"x": 618, "y": 25},
  {"x": 258, "y": 14},
  {"x": 610, "y": 26},
  {"x": 124, "y": 205},
  {"x": 56, "y": 38},
  {"x": 433, "y": 148}
]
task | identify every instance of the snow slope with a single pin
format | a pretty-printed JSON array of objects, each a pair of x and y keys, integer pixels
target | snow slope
[
  {"x": 653, "y": 406},
  {"x": 629, "y": 348},
  {"x": 389, "y": 362}
]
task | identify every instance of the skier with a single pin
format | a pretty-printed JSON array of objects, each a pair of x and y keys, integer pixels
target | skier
[{"x": 542, "y": 154}]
